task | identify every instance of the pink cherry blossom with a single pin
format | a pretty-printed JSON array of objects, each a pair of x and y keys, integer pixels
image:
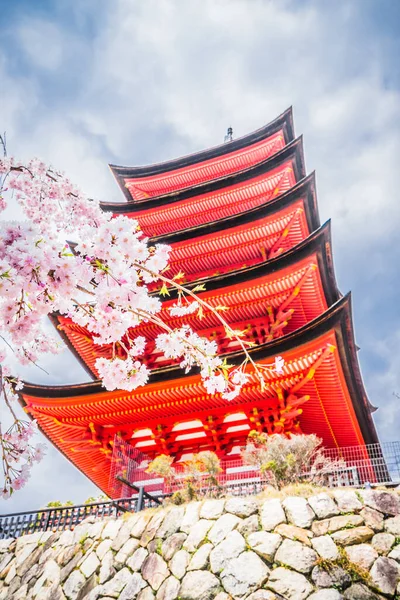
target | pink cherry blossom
[
  {"x": 279, "y": 363},
  {"x": 102, "y": 282}
]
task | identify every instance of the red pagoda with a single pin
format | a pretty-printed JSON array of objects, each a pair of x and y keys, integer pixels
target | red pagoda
[{"x": 242, "y": 219}]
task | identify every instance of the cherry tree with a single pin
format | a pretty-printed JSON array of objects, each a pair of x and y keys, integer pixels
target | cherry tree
[{"x": 102, "y": 284}]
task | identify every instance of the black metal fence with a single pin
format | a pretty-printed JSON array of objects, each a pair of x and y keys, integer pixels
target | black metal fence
[
  {"x": 67, "y": 517},
  {"x": 376, "y": 464}
]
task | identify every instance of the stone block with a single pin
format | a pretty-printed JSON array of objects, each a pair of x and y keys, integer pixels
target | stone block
[
  {"x": 385, "y": 575},
  {"x": 347, "y": 500},
  {"x": 383, "y": 542},
  {"x": 298, "y": 511},
  {"x": 336, "y": 523},
  {"x": 146, "y": 594},
  {"x": 192, "y": 515},
  {"x": 265, "y": 544},
  {"x": 372, "y": 518},
  {"x": 296, "y": 556},
  {"x": 199, "y": 585},
  {"x": 334, "y": 577},
  {"x": 272, "y": 514},
  {"x": 395, "y": 553},
  {"x": 111, "y": 529},
  {"x": 90, "y": 564},
  {"x": 260, "y": 595},
  {"x": 122, "y": 537},
  {"x": 325, "y": 547},
  {"x": 359, "y": 591},
  {"x": 230, "y": 548},
  {"x": 169, "y": 589},
  {"x": 249, "y": 525},
  {"x": 114, "y": 586},
  {"x": 107, "y": 570},
  {"x": 294, "y": 533},
  {"x": 103, "y": 548},
  {"x": 323, "y": 505},
  {"x": 200, "y": 558},
  {"x": 139, "y": 522},
  {"x": 385, "y": 502},
  {"x": 137, "y": 559},
  {"x": 212, "y": 509},
  {"x": 289, "y": 584},
  {"x": 172, "y": 522},
  {"x": 172, "y": 544},
  {"x": 134, "y": 584},
  {"x": 244, "y": 574},
  {"x": 326, "y": 594},
  {"x": 125, "y": 552},
  {"x": 197, "y": 534},
  {"x": 152, "y": 527},
  {"x": 179, "y": 563},
  {"x": 224, "y": 525},
  {"x": 392, "y": 526},
  {"x": 357, "y": 535},
  {"x": 241, "y": 507},
  {"x": 155, "y": 570},
  {"x": 363, "y": 555}
]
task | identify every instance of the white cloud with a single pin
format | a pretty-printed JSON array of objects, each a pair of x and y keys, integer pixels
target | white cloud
[
  {"x": 161, "y": 79},
  {"x": 42, "y": 42}
]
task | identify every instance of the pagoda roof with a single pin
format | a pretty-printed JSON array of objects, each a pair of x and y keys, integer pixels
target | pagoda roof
[
  {"x": 294, "y": 147},
  {"x": 81, "y": 420},
  {"x": 140, "y": 183},
  {"x": 305, "y": 187},
  {"x": 246, "y": 238},
  {"x": 222, "y": 198},
  {"x": 247, "y": 294}
]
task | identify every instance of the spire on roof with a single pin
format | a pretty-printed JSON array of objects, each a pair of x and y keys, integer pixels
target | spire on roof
[{"x": 229, "y": 135}]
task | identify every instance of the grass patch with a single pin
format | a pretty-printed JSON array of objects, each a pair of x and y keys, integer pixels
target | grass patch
[
  {"x": 304, "y": 490},
  {"x": 357, "y": 573}
]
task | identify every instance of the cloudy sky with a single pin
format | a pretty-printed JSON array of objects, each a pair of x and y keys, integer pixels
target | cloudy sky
[{"x": 130, "y": 82}]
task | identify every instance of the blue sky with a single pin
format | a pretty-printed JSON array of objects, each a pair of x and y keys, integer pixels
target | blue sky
[{"x": 93, "y": 82}]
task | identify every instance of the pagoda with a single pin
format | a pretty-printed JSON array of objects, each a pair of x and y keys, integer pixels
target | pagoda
[{"x": 241, "y": 219}]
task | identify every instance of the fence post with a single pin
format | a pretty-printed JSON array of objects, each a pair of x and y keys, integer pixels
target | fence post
[{"x": 140, "y": 500}]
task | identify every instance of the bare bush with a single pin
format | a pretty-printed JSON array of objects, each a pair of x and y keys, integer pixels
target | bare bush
[
  {"x": 286, "y": 460},
  {"x": 199, "y": 478},
  {"x": 162, "y": 466}
]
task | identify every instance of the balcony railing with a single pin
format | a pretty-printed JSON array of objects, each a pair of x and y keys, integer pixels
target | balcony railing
[
  {"x": 376, "y": 464},
  {"x": 371, "y": 464}
]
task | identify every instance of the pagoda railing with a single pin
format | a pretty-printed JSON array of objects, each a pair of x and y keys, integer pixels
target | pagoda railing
[
  {"x": 364, "y": 466},
  {"x": 373, "y": 464}
]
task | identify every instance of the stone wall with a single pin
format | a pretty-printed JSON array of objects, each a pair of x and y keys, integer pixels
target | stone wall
[{"x": 341, "y": 544}]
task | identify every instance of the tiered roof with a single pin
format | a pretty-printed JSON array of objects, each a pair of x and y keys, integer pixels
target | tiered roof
[
  {"x": 141, "y": 183},
  {"x": 219, "y": 198},
  {"x": 319, "y": 392},
  {"x": 267, "y": 300},
  {"x": 242, "y": 219}
]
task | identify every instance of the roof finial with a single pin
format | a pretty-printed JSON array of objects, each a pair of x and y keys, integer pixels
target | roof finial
[{"x": 229, "y": 135}]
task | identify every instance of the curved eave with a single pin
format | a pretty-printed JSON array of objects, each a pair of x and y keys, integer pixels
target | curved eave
[
  {"x": 284, "y": 122},
  {"x": 55, "y": 322},
  {"x": 337, "y": 318},
  {"x": 305, "y": 187},
  {"x": 319, "y": 242},
  {"x": 293, "y": 151}
]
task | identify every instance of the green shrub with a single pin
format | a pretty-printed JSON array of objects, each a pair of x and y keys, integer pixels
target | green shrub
[{"x": 284, "y": 460}]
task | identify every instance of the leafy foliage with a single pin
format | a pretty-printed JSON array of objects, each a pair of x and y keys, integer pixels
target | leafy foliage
[
  {"x": 199, "y": 477},
  {"x": 286, "y": 460},
  {"x": 59, "y": 504}
]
